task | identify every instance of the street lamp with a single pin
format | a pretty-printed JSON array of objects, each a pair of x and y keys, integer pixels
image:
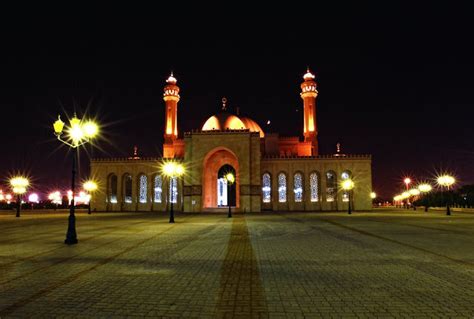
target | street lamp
[
  {"x": 90, "y": 186},
  {"x": 407, "y": 182},
  {"x": 172, "y": 170},
  {"x": 19, "y": 185},
  {"x": 230, "y": 178},
  {"x": 348, "y": 185},
  {"x": 77, "y": 134},
  {"x": 446, "y": 181}
]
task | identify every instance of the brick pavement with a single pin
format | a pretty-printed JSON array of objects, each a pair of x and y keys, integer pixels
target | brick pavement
[{"x": 388, "y": 264}]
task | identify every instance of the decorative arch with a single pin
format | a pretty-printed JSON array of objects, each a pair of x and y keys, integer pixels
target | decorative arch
[
  {"x": 346, "y": 174},
  {"x": 142, "y": 188},
  {"x": 266, "y": 187},
  {"x": 314, "y": 186},
  {"x": 157, "y": 188},
  {"x": 212, "y": 162},
  {"x": 127, "y": 184},
  {"x": 282, "y": 187},
  {"x": 112, "y": 185},
  {"x": 298, "y": 187},
  {"x": 331, "y": 186}
]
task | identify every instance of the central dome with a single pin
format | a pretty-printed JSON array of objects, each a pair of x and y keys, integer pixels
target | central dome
[{"x": 227, "y": 121}]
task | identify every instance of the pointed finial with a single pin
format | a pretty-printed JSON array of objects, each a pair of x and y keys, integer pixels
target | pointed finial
[
  {"x": 237, "y": 110},
  {"x": 338, "y": 147},
  {"x": 224, "y": 104},
  {"x": 135, "y": 151}
]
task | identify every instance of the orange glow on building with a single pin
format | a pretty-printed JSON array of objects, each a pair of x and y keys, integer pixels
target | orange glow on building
[
  {"x": 309, "y": 93},
  {"x": 234, "y": 123},
  {"x": 212, "y": 123}
]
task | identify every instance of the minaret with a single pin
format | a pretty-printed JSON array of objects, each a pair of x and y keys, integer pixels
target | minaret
[
  {"x": 309, "y": 94},
  {"x": 171, "y": 97}
]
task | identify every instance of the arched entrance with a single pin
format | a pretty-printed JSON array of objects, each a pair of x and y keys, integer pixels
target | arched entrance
[
  {"x": 224, "y": 193},
  {"x": 216, "y": 163}
]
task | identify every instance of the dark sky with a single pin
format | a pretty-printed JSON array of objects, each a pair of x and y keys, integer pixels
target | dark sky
[{"x": 394, "y": 82}]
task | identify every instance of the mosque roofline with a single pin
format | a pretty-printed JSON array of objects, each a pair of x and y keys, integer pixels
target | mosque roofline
[
  {"x": 330, "y": 156},
  {"x": 211, "y": 132},
  {"x": 130, "y": 159}
]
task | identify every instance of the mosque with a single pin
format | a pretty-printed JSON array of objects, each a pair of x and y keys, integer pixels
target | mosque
[{"x": 272, "y": 172}]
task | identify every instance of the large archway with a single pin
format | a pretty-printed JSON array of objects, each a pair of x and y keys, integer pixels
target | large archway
[{"x": 217, "y": 159}]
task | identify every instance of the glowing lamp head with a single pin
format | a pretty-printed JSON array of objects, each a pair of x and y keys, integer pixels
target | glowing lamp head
[
  {"x": 397, "y": 198},
  {"x": 2, "y": 198},
  {"x": 90, "y": 186},
  {"x": 414, "y": 192},
  {"x": 230, "y": 178},
  {"x": 373, "y": 195},
  {"x": 407, "y": 180},
  {"x": 33, "y": 198},
  {"x": 446, "y": 180},
  {"x": 19, "y": 184},
  {"x": 347, "y": 184},
  {"x": 58, "y": 126},
  {"x": 169, "y": 168},
  {"x": 405, "y": 195},
  {"x": 90, "y": 129},
  {"x": 8, "y": 197},
  {"x": 179, "y": 169},
  {"x": 425, "y": 188}
]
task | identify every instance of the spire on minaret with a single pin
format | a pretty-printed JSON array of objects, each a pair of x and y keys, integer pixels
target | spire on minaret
[{"x": 224, "y": 104}]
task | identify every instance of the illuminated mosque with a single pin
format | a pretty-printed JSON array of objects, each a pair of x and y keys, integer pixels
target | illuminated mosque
[{"x": 272, "y": 173}]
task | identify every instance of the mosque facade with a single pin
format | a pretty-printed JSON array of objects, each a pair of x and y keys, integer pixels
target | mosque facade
[{"x": 272, "y": 173}]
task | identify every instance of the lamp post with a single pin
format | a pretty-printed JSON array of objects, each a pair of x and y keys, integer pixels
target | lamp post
[
  {"x": 230, "y": 178},
  {"x": 348, "y": 185},
  {"x": 446, "y": 181},
  {"x": 425, "y": 188},
  {"x": 90, "y": 186},
  {"x": 407, "y": 182},
  {"x": 172, "y": 170},
  {"x": 19, "y": 185},
  {"x": 78, "y": 133}
]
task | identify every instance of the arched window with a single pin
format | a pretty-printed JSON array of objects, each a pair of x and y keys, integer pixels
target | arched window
[
  {"x": 331, "y": 186},
  {"x": 113, "y": 189},
  {"x": 127, "y": 188},
  {"x": 157, "y": 189},
  {"x": 282, "y": 188},
  {"x": 345, "y": 194},
  {"x": 314, "y": 186},
  {"x": 266, "y": 188},
  {"x": 174, "y": 190},
  {"x": 298, "y": 187},
  {"x": 143, "y": 189}
]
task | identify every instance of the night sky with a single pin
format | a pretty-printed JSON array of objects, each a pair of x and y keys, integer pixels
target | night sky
[{"x": 396, "y": 83}]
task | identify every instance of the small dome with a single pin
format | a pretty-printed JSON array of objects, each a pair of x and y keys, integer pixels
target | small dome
[
  {"x": 252, "y": 126},
  {"x": 308, "y": 76},
  {"x": 171, "y": 79},
  {"x": 224, "y": 121}
]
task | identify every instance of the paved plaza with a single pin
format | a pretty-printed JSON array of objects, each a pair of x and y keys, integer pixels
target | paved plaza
[{"x": 384, "y": 264}]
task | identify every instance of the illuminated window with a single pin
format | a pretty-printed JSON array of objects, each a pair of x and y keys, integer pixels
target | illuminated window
[
  {"x": 345, "y": 194},
  {"x": 282, "y": 188},
  {"x": 113, "y": 189},
  {"x": 142, "y": 190},
  {"x": 157, "y": 189},
  {"x": 298, "y": 187},
  {"x": 331, "y": 186},
  {"x": 314, "y": 186},
  {"x": 127, "y": 188},
  {"x": 174, "y": 190},
  {"x": 266, "y": 188}
]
